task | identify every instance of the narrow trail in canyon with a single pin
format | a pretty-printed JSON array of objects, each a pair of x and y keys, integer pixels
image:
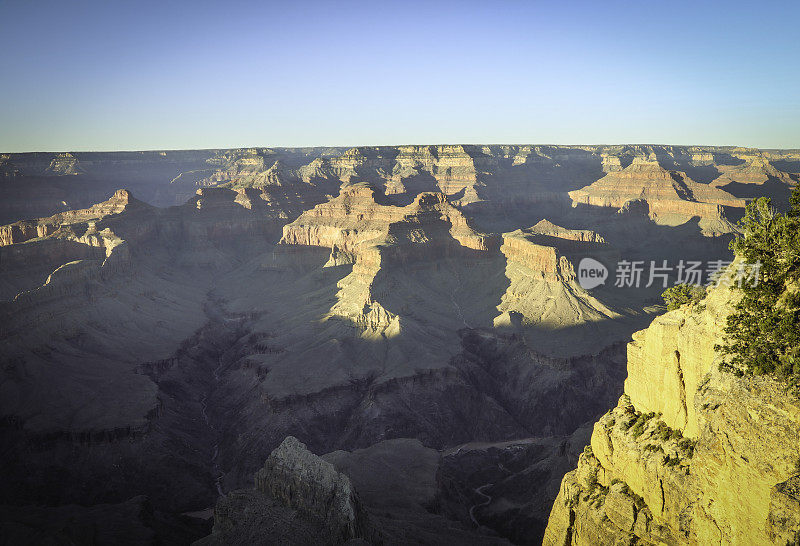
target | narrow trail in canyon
[{"x": 488, "y": 499}]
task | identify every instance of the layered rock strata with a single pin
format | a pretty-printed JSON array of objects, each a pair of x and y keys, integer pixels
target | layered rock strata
[
  {"x": 690, "y": 454},
  {"x": 543, "y": 287},
  {"x": 671, "y": 196}
]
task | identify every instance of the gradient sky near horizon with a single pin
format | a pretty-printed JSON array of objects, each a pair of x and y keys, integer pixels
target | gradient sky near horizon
[{"x": 107, "y": 75}]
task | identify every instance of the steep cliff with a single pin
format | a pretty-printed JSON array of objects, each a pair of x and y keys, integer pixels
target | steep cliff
[
  {"x": 362, "y": 228},
  {"x": 690, "y": 454},
  {"x": 298, "y": 499},
  {"x": 543, "y": 287}
]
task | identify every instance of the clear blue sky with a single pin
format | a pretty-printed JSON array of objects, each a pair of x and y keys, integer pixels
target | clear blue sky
[{"x": 106, "y": 75}]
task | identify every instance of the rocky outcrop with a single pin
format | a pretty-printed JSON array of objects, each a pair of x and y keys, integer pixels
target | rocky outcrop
[
  {"x": 549, "y": 229},
  {"x": 299, "y": 498},
  {"x": 304, "y": 482},
  {"x": 543, "y": 287},
  {"x": 752, "y": 174},
  {"x": 361, "y": 214},
  {"x": 398, "y": 492},
  {"x": 672, "y": 197},
  {"x": 690, "y": 454},
  {"x": 64, "y": 164},
  {"x": 452, "y": 167},
  {"x": 361, "y": 228},
  {"x": 23, "y": 231},
  {"x": 519, "y": 246},
  {"x": 355, "y": 216}
]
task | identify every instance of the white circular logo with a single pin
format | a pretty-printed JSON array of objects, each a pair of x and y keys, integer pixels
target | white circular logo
[{"x": 591, "y": 273}]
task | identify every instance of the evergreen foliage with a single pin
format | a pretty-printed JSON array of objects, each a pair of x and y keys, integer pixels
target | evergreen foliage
[
  {"x": 762, "y": 335},
  {"x": 681, "y": 294}
]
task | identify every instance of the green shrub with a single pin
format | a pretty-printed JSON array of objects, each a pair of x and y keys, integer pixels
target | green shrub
[
  {"x": 681, "y": 294},
  {"x": 671, "y": 461},
  {"x": 591, "y": 479},
  {"x": 665, "y": 433},
  {"x": 687, "y": 445},
  {"x": 762, "y": 335},
  {"x": 627, "y": 424}
]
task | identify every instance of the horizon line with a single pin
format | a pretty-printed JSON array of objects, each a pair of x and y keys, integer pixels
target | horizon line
[{"x": 350, "y": 147}]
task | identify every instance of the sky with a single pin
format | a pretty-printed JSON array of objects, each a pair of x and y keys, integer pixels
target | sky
[{"x": 110, "y": 75}]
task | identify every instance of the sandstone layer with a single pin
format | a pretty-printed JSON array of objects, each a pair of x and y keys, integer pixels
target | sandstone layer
[
  {"x": 672, "y": 197},
  {"x": 40, "y": 184},
  {"x": 691, "y": 454}
]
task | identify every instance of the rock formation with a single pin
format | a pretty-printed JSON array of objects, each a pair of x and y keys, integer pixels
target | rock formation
[
  {"x": 543, "y": 288},
  {"x": 304, "y": 482},
  {"x": 19, "y": 232},
  {"x": 361, "y": 228},
  {"x": 40, "y": 184},
  {"x": 65, "y": 163},
  {"x": 690, "y": 454},
  {"x": 301, "y": 498},
  {"x": 672, "y": 197}
]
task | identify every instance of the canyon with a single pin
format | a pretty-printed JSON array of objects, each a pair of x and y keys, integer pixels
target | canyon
[{"x": 380, "y": 344}]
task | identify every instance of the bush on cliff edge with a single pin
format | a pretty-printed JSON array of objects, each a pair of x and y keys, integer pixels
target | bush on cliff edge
[
  {"x": 762, "y": 335},
  {"x": 681, "y": 294}
]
